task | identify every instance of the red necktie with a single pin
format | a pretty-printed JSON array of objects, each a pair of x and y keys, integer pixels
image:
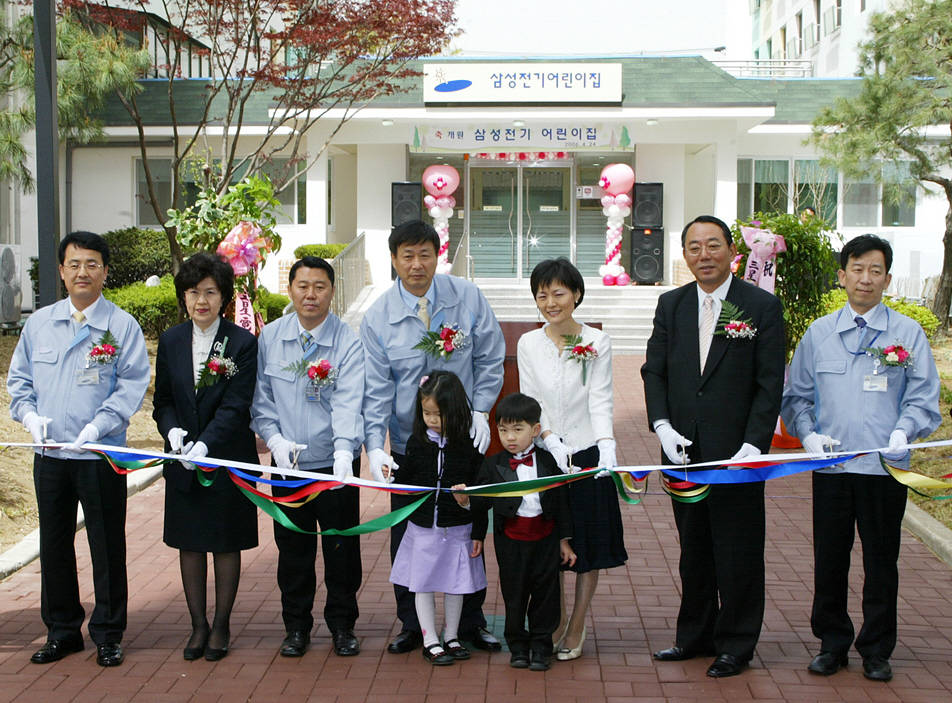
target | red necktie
[{"x": 515, "y": 463}]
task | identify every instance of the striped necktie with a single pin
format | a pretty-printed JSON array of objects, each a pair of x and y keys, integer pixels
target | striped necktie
[
  {"x": 307, "y": 343},
  {"x": 422, "y": 313},
  {"x": 706, "y": 331}
]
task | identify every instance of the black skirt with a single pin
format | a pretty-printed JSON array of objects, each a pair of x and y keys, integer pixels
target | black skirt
[
  {"x": 205, "y": 520},
  {"x": 599, "y": 534}
]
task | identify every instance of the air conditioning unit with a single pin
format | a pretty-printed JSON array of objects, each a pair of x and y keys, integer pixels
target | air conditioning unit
[{"x": 10, "y": 294}]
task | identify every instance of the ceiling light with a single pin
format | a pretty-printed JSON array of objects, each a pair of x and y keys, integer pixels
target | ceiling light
[
  {"x": 387, "y": 123},
  {"x": 651, "y": 122}
]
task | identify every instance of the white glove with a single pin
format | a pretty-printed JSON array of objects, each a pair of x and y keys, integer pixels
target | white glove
[
  {"x": 283, "y": 451},
  {"x": 176, "y": 436},
  {"x": 896, "y": 439},
  {"x": 194, "y": 450},
  {"x": 606, "y": 457},
  {"x": 89, "y": 434},
  {"x": 36, "y": 426},
  {"x": 815, "y": 443},
  {"x": 745, "y": 452},
  {"x": 378, "y": 459},
  {"x": 480, "y": 433},
  {"x": 559, "y": 451},
  {"x": 675, "y": 446},
  {"x": 343, "y": 466}
]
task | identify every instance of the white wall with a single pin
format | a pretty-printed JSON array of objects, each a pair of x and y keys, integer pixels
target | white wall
[
  {"x": 378, "y": 165},
  {"x": 344, "y": 195}
]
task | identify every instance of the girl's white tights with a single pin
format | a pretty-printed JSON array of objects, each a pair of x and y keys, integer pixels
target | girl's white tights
[{"x": 426, "y": 614}]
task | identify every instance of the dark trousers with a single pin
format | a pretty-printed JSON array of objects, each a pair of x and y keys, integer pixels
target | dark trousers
[
  {"x": 472, "y": 617},
  {"x": 873, "y": 505},
  {"x": 297, "y": 556},
  {"x": 529, "y": 579},
  {"x": 722, "y": 570},
  {"x": 61, "y": 485}
]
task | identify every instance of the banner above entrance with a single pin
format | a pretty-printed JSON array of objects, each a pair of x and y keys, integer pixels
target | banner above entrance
[
  {"x": 537, "y": 137},
  {"x": 521, "y": 83}
]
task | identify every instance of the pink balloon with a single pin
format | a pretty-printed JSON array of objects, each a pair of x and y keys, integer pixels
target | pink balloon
[
  {"x": 608, "y": 280},
  {"x": 440, "y": 179},
  {"x": 451, "y": 201},
  {"x": 608, "y": 200},
  {"x": 429, "y": 201},
  {"x": 622, "y": 200},
  {"x": 617, "y": 179},
  {"x": 443, "y": 202},
  {"x": 623, "y": 280}
]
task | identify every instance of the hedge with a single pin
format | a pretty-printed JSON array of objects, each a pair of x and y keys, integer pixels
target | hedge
[
  {"x": 135, "y": 254},
  {"x": 272, "y": 304},
  {"x": 155, "y": 309},
  {"x": 836, "y": 299},
  {"x": 325, "y": 251}
]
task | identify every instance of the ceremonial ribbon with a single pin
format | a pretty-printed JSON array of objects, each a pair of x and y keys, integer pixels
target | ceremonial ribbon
[
  {"x": 761, "y": 264},
  {"x": 688, "y": 483}
]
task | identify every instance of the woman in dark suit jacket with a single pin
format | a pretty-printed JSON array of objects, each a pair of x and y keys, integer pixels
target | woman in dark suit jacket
[{"x": 204, "y": 384}]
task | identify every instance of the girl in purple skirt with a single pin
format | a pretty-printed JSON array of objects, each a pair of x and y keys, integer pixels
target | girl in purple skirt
[{"x": 442, "y": 548}]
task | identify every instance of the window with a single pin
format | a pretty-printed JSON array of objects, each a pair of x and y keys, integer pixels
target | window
[
  {"x": 293, "y": 198},
  {"x": 817, "y": 188},
  {"x": 860, "y": 203},
  {"x": 899, "y": 197},
  {"x": 762, "y": 186}
]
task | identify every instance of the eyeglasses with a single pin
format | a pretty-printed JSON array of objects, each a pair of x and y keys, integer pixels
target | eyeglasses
[
  {"x": 712, "y": 248},
  {"x": 90, "y": 266}
]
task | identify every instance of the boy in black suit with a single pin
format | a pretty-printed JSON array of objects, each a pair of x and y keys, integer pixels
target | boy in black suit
[{"x": 531, "y": 533}]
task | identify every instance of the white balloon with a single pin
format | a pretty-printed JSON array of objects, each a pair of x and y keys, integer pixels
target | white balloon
[
  {"x": 603, "y": 270},
  {"x": 614, "y": 210},
  {"x": 625, "y": 211},
  {"x": 605, "y": 211},
  {"x": 435, "y": 211},
  {"x": 447, "y": 212}
]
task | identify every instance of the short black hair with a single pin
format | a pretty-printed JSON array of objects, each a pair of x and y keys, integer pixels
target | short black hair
[
  {"x": 204, "y": 265},
  {"x": 456, "y": 414},
  {"x": 311, "y": 262},
  {"x": 518, "y": 407},
  {"x": 710, "y": 219},
  {"x": 863, "y": 244},
  {"x": 558, "y": 270},
  {"x": 413, "y": 232},
  {"x": 84, "y": 240}
]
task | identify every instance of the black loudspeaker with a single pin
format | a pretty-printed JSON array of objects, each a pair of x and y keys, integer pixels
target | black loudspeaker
[
  {"x": 648, "y": 208},
  {"x": 647, "y": 255},
  {"x": 406, "y": 202}
]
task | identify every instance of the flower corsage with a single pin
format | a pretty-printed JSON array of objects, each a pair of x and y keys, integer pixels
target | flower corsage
[
  {"x": 893, "y": 355},
  {"x": 216, "y": 367},
  {"x": 321, "y": 372},
  {"x": 442, "y": 344},
  {"x": 731, "y": 325},
  {"x": 105, "y": 351},
  {"x": 580, "y": 352}
]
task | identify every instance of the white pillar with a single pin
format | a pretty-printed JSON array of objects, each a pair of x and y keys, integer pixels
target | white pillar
[{"x": 378, "y": 165}]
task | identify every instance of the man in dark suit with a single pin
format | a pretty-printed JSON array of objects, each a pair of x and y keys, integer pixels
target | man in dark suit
[{"x": 712, "y": 395}]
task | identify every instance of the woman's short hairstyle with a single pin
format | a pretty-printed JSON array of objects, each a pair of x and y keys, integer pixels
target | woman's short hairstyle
[
  {"x": 456, "y": 415},
  {"x": 561, "y": 271},
  {"x": 204, "y": 265}
]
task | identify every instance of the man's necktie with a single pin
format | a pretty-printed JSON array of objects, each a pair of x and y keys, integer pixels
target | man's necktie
[
  {"x": 861, "y": 323},
  {"x": 83, "y": 332},
  {"x": 707, "y": 330},
  {"x": 307, "y": 342},
  {"x": 515, "y": 463},
  {"x": 422, "y": 313}
]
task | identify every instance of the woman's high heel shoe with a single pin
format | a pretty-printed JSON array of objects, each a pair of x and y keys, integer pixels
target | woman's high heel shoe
[
  {"x": 557, "y": 641},
  {"x": 566, "y": 654},
  {"x": 190, "y": 654}
]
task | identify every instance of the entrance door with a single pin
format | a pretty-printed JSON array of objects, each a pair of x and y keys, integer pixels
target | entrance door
[{"x": 519, "y": 215}]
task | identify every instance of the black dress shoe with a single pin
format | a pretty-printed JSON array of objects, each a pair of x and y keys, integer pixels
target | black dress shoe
[
  {"x": 109, "y": 654},
  {"x": 190, "y": 654},
  {"x": 877, "y": 668},
  {"x": 726, "y": 665},
  {"x": 295, "y": 644},
  {"x": 213, "y": 654},
  {"x": 519, "y": 660},
  {"x": 828, "y": 663},
  {"x": 345, "y": 643},
  {"x": 483, "y": 639},
  {"x": 678, "y": 654},
  {"x": 539, "y": 662},
  {"x": 405, "y": 642},
  {"x": 54, "y": 650}
]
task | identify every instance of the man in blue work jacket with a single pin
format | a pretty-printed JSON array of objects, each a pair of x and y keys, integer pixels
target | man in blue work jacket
[
  {"x": 79, "y": 372},
  {"x": 312, "y": 422},
  {"x": 418, "y": 302}
]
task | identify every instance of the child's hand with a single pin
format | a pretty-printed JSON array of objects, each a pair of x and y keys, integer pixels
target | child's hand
[
  {"x": 567, "y": 553},
  {"x": 478, "y": 549},
  {"x": 462, "y": 499}
]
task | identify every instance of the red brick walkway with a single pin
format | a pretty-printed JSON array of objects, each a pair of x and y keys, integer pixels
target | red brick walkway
[{"x": 633, "y": 615}]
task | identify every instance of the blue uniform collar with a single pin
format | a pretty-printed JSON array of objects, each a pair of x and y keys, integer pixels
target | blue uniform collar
[
  {"x": 323, "y": 334},
  {"x": 440, "y": 294},
  {"x": 877, "y": 318}
]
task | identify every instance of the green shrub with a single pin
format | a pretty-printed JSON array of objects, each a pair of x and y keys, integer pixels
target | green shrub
[
  {"x": 135, "y": 254},
  {"x": 325, "y": 251},
  {"x": 155, "y": 309},
  {"x": 272, "y": 304},
  {"x": 836, "y": 299}
]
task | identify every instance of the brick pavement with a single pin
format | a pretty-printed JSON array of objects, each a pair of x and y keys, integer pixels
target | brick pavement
[{"x": 633, "y": 614}]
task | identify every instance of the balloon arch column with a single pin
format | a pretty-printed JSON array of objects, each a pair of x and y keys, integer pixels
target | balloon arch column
[
  {"x": 440, "y": 182},
  {"x": 616, "y": 180}
]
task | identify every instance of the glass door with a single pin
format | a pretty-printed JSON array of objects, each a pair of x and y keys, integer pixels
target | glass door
[{"x": 519, "y": 215}]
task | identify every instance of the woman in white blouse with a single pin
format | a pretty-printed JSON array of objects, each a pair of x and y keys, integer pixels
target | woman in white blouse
[
  {"x": 202, "y": 408},
  {"x": 576, "y": 399}
]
